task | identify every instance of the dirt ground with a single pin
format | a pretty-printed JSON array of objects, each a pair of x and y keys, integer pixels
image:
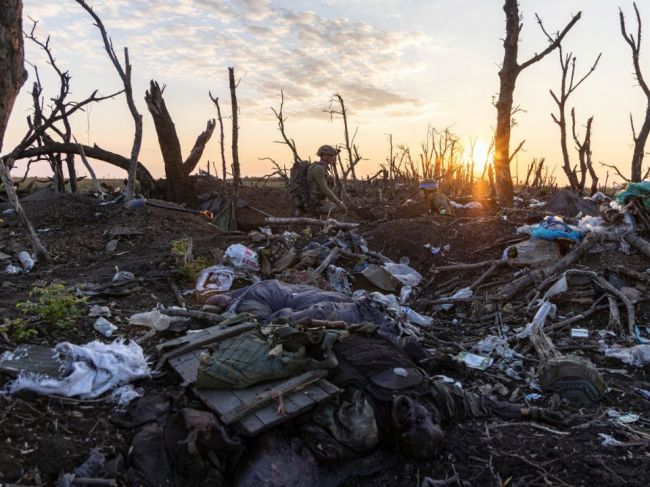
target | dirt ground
[{"x": 44, "y": 436}]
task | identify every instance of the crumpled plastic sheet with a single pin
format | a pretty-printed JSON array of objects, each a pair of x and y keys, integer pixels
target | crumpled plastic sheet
[
  {"x": 404, "y": 274},
  {"x": 153, "y": 319},
  {"x": 96, "y": 368},
  {"x": 545, "y": 310},
  {"x": 638, "y": 356},
  {"x": 496, "y": 344}
]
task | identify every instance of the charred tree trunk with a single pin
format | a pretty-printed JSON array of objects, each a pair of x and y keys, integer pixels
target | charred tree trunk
[
  {"x": 236, "y": 173},
  {"x": 568, "y": 86},
  {"x": 12, "y": 69},
  {"x": 176, "y": 171},
  {"x": 12, "y": 78},
  {"x": 508, "y": 74},
  {"x": 640, "y": 139},
  {"x": 584, "y": 155},
  {"x": 221, "y": 139}
]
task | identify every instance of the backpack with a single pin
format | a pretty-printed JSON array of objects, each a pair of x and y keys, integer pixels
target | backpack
[{"x": 298, "y": 187}]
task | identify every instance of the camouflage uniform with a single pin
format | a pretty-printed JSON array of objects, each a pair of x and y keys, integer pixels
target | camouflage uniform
[
  {"x": 319, "y": 190},
  {"x": 438, "y": 203}
]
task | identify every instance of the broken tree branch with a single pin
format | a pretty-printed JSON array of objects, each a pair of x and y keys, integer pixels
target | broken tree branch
[
  {"x": 310, "y": 221},
  {"x": 39, "y": 250},
  {"x": 221, "y": 136},
  {"x": 125, "y": 76}
]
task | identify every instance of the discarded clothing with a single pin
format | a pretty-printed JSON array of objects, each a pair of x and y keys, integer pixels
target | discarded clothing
[
  {"x": 640, "y": 190},
  {"x": 95, "y": 368},
  {"x": 273, "y": 299},
  {"x": 552, "y": 228}
]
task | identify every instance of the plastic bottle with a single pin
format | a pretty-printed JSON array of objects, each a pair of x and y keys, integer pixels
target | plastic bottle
[
  {"x": 105, "y": 327},
  {"x": 26, "y": 260},
  {"x": 416, "y": 318},
  {"x": 135, "y": 204}
]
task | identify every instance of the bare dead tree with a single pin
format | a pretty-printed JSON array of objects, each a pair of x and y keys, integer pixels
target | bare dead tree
[
  {"x": 221, "y": 137},
  {"x": 36, "y": 121},
  {"x": 281, "y": 171},
  {"x": 12, "y": 78},
  {"x": 642, "y": 137},
  {"x": 508, "y": 74},
  {"x": 125, "y": 76},
  {"x": 391, "y": 159},
  {"x": 177, "y": 171},
  {"x": 235, "y": 132},
  {"x": 288, "y": 141},
  {"x": 567, "y": 86},
  {"x": 60, "y": 100},
  {"x": 584, "y": 155},
  {"x": 351, "y": 148}
]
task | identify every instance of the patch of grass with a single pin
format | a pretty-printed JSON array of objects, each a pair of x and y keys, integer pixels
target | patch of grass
[
  {"x": 18, "y": 330},
  {"x": 191, "y": 270},
  {"x": 54, "y": 304}
]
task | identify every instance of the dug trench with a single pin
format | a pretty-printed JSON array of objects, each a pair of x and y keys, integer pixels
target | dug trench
[{"x": 44, "y": 436}]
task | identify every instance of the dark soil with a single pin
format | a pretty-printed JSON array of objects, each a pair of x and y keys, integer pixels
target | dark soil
[{"x": 44, "y": 436}]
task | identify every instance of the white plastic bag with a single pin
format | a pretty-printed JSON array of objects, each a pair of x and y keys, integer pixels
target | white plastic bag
[
  {"x": 639, "y": 355},
  {"x": 242, "y": 257},
  {"x": 547, "y": 308},
  {"x": 151, "y": 319},
  {"x": 461, "y": 294}
]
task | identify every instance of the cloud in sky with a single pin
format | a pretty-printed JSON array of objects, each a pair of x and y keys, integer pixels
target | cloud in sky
[
  {"x": 399, "y": 64},
  {"x": 308, "y": 54}
]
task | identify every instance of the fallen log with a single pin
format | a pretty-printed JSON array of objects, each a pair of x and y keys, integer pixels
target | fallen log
[
  {"x": 310, "y": 221},
  {"x": 488, "y": 273},
  {"x": 631, "y": 317},
  {"x": 631, "y": 273},
  {"x": 144, "y": 177},
  {"x": 333, "y": 255},
  {"x": 466, "y": 267},
  {"x": 545, "y": 275},
  {"x": 638, "y": 243}
]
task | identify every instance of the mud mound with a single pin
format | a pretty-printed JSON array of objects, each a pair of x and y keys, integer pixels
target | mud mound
[{"x": 569, "y": 204}]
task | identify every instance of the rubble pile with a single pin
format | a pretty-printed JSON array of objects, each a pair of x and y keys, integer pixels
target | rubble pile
[{"x": 314, "y": 352}]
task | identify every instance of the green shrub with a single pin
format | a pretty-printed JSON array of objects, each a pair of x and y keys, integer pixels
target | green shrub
[
  {"x": 191, "y": 270},
  {"x": 18, "y": 330},
  {"x": 53, "y": 304}
]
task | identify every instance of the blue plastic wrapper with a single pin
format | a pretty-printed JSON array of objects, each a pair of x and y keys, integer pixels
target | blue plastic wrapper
[{"x": 551, "y": 228}]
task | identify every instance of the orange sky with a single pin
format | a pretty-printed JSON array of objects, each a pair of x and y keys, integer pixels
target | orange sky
[{"x": 400, "y": 66}]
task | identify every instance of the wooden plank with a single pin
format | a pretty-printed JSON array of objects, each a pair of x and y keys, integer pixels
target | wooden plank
[
  {"x": 222, "y": 401},
  {"x": 33, "y": 358},
  {"x": 301, "y": 380},
  {"x": 328, "y": 387},
  {"x": 314, "y": 394},
  {"x": 297, "y": 402}
]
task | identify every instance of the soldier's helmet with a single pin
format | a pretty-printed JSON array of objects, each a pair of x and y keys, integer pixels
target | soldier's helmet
[
  {"x": 429, "y": 185},
  {"x": 327, "y": 150}
]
